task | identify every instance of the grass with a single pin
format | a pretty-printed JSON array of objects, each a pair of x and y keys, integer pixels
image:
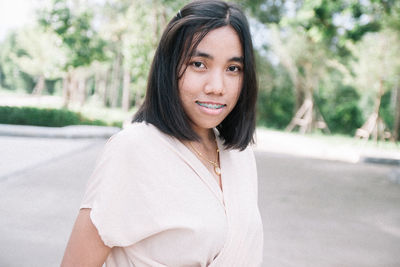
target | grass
[
  {"x": 345, "y": 140},
  {"x": 338, "y": 139},
  {"x": 91, "y": 110}
]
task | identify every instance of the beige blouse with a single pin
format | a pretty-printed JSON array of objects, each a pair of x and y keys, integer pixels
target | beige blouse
[{"x": 156, "y": 204}]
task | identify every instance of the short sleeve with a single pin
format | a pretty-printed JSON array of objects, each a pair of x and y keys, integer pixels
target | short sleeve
[{"x": 121, "y": 191}]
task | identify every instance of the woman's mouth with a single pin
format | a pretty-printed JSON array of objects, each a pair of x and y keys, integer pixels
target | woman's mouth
[{"x": 210, "y": 105}]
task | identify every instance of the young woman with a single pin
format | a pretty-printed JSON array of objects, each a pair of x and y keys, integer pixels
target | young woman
[{"x": 179, "y": 186}]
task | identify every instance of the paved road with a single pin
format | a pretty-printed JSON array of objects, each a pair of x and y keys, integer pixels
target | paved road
[
  {"x": 315, "y": 212},
  {"x": 38, "y": 204},
  {"x": 320, "y": 213}
]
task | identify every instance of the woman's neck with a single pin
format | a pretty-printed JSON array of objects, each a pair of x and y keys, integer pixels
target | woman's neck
[{"x": 207, "y": 137}]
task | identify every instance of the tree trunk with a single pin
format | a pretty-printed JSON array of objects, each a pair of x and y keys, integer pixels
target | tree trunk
[
  {"x": 97, "y": 82},
  {"x": 81, "y": 90},
  {"x": 396, "y": 130},
  {"x": 73, "y": 88},
  {"x": 157, "y": 23},
  {"x": 126, "y": 91},
  {"x": 138, "y": 98},
  {"x": 303, "y": 117},
  {"x": 370, "y": 127},
  {"x": 299, "y": 94},
  {"x": 40, "y": 85},
  {"x": 66, "y": 90},
  {"x": 107, "y": 85},
  {"x": 379, "y": 96},
  {"x": 100, "y": 87},
  {"x": 115, "y": 81},
  {"x": 378, "y": 101}
]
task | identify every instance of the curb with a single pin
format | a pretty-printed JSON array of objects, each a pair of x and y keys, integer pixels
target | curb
[
  {"x": 382, "y": 160},
  {"x": 73, "y": 131},
  {"x": 304, "y": 146},
  {"x": 105, "y": 132}
]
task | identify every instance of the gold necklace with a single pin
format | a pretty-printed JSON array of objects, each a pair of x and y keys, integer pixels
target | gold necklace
[{"x": 217, "y": 169}]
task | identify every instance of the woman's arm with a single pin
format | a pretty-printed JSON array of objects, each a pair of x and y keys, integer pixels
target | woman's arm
[{"x": 85, "y": 247}]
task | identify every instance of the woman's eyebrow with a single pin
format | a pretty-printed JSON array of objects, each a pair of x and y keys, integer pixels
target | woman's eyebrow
[
  {"x": 197, "y": 53},
  {"x": 237, "y": 59}
]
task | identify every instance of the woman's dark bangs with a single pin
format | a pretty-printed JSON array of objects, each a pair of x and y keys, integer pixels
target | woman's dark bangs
[{"x": 193, "y": 39}]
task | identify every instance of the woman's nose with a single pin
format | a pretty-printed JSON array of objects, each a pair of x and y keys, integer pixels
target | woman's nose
[{"x": 215, "y": 83}]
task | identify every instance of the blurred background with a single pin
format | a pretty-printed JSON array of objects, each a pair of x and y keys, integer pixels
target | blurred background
[
  {"x": 327, "y": 147},
  {"x": 329, "y": 66}
]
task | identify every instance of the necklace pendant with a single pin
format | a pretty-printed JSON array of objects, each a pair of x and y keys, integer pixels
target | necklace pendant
[{"x": 217, "y": 170}]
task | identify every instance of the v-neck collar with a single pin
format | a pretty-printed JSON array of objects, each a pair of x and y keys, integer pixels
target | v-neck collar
[
  {"x": 203, "y": 173},
  {"x": 194, "y": 162}
]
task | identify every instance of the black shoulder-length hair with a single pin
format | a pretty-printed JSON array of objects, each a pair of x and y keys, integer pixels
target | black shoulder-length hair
[{"x": 162, "y": 106}]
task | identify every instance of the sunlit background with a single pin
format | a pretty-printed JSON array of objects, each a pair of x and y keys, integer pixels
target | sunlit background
[
  {"x": 330, "y": 67},
  {"x": 328, "y": 111},
  {"x": 329, "y": 70},
  {"x": 15, "y": 14}
]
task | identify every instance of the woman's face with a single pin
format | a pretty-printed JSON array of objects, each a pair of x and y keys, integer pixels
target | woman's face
[{"x": 211, "y": 83}]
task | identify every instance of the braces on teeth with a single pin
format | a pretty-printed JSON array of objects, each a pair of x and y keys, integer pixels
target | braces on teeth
[{"x": 213, "y": 106}]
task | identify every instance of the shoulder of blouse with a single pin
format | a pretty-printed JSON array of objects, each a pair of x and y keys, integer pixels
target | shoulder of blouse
[{"x": 135, "y": 135}]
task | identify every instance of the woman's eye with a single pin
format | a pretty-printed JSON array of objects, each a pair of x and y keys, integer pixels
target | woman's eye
[
  {"x": 198, "y": 64},
  {"x": 234, "y": 68}
]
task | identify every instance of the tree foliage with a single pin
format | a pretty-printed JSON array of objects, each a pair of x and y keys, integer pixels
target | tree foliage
[
  {"x": 316, "y": 42},
  {"x": 75, "y": 28},
  {"x": 338, "y": 53}
]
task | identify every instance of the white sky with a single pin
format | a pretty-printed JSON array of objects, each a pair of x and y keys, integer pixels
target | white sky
[{"x": 15, "y": 13}]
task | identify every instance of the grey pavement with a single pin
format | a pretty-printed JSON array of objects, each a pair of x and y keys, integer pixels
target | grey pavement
[
  {"x": 267, "y": 140},
  {"x": 38, "y": 204},
  {"x": 73, "y": 131},
  {"x": 19, "y": 154},
  {"x": 320, "y": 213},
  {"x": 319, "y": 206}
]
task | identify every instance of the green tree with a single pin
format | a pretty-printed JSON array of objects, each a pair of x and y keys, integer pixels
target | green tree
[
  {"x": 41, "y": 56},
  {"x": 13, "y": 78},
  {"x": 72, "y": 21},
  {"x": 131, "y": 45},
  {"x": 377, "y": 69},
  {"x": 312, "y": 38}
]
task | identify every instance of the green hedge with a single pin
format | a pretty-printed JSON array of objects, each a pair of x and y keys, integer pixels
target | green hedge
[
  {"x": 45, "y": 117},
  {"x": 341, "y": 110},
  {"x": 275, "y": 107}
]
